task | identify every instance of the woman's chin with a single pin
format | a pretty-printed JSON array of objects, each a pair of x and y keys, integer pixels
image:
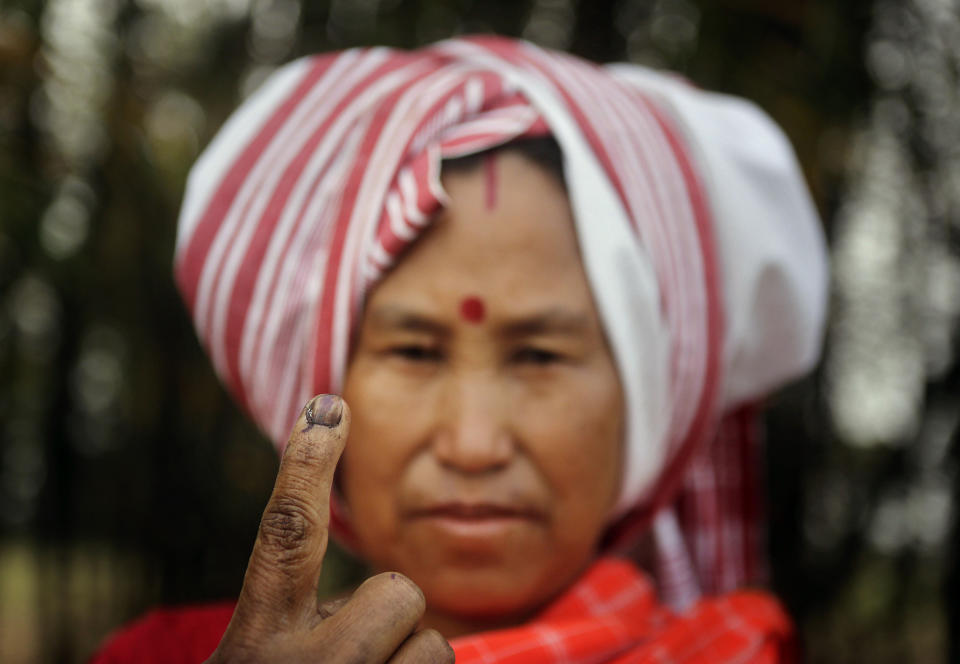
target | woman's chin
[
  {"x": 488, "y": 593},
  {"x": 469, "y": 606}
]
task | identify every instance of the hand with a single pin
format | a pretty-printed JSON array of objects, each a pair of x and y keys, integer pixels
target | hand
[{"x": 278, "y": 617}]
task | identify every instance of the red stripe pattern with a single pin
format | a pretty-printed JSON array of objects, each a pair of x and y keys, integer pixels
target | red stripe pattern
[
  {"x": 611, "y": 615},
  {"x": 720, "y": 507}
]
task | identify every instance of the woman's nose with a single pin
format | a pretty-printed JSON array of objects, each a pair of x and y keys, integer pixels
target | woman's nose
[{"x": 473, "y": 436}]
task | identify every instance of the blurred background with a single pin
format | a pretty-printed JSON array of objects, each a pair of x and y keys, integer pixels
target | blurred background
[{"x": 128, "y": 479}]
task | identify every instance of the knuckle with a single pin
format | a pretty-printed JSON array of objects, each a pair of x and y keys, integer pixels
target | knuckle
[
  {"x": 285, "y": 528},
  {"x": 436, "y": 647},
  {"x": 404, "y": 593}
]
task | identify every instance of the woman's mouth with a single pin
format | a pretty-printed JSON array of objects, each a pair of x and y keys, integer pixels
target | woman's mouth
[
  {"x": 475, "y": 520},
  {"x": 475, "y": 512}
]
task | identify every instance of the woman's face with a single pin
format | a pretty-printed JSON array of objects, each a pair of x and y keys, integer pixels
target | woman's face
[{"x": 485, "y": 450}]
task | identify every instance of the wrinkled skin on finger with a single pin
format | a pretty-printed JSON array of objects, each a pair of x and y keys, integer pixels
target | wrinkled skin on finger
[{"x": 278, "y": 616}]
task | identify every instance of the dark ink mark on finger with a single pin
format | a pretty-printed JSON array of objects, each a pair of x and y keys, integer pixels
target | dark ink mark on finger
[
  {"x": 325, "y": 410},
  {"x": 309, "y": 418},
  {"x": 393, "y": 576}
]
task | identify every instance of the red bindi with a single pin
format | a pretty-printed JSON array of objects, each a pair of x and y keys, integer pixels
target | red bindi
[
  {"x": 490, "y": 173},
  {"x": 472, "y": 309}
]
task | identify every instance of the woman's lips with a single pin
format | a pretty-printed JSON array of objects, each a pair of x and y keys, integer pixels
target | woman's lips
[
  {"x": 475, "y": 520},
  {"x": 475, "y": 512}
]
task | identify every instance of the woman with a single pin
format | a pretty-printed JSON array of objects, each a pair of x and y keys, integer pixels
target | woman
[{"x": 546, "y": 290}]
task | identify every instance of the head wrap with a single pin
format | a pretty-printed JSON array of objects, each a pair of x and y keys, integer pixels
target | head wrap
[{"x": 698, "y": 237}]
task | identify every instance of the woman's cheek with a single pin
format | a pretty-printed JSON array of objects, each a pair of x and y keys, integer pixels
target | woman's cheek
[
  {"x": 580, "y": 428},
  {"x": 377, "y": 391},
  {"x": 389, "y": 420}
]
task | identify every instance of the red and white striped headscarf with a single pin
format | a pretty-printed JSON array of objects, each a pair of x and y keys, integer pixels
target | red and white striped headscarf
[{"x": 702, "y": 248}]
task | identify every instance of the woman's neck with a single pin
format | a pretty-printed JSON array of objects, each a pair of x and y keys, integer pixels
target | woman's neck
[{"x": 453, "y": 626}]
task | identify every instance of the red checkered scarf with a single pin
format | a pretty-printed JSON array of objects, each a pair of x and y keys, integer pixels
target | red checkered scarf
[
  {"x": 611, "y": 615},
  {"x": 317, "y": 184}
]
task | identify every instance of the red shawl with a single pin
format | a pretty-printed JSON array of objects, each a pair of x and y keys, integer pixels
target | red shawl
[{"x": 610, "y": 615}]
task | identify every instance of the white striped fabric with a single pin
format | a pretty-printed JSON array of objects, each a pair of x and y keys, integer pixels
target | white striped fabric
[{"x": 319, "y": 181}]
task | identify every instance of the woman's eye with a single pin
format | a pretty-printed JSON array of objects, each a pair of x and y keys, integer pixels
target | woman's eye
[
  {"x": 416, "y": 353},
  {"x": 536, "y": 356}
]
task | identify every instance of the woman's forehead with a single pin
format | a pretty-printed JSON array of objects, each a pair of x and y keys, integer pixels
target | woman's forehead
[
  {"x": 510, "y": 213},
  {"x": 506, "y": 239}
]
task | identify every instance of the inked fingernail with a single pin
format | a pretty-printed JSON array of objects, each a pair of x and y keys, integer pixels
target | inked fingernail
[{"x": 326, "y": 410}]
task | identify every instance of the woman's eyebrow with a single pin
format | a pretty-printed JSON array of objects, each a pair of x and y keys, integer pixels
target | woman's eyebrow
[
  {"x": 552, "y": 321},
  {"x": 393, "y": 317}
]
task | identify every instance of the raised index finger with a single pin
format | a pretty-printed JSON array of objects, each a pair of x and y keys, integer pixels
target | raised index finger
[{"x": 281, "y": 578}]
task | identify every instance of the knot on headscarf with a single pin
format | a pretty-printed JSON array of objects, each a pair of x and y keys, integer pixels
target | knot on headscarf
[{"x": 697, "y": 235}]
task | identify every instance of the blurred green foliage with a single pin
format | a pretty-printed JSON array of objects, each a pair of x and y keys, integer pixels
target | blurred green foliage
[{"x": 127, "y": 476}]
